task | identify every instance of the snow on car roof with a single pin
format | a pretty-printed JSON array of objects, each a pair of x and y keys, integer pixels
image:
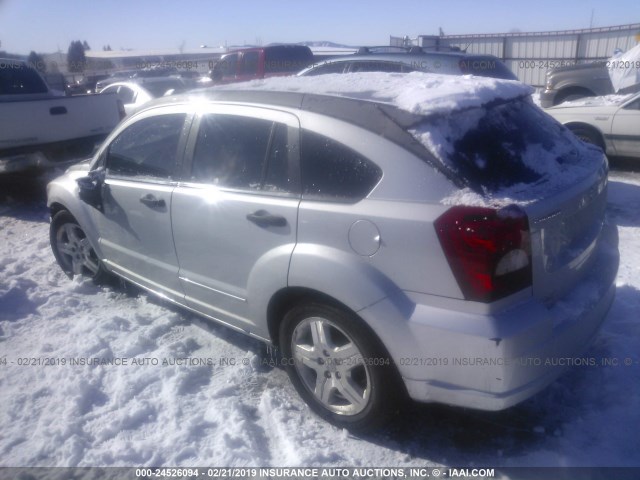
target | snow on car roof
[
  {"x": 539, "y": 156},
  {"x": 416, "y": 92}
]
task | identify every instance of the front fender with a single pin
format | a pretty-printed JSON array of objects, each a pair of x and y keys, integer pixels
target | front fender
[{"x": 63, "y": 191}]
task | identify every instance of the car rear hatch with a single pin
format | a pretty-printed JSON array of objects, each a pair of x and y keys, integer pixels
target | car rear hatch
[
  {"x": 565, "y": 228},
  {"x": 512, "y": 153}
]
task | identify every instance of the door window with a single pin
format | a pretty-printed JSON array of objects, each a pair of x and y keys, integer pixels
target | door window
[
  {"x": 250, "y": 60},
  {"x": 147, "y": 148},
  {"x": 373, "y": 66},
  {"x": 329, "y": 67},
  {"x": 226, "y": 67},
  {"x": 126, "y": 95},
  {"x": 332, "y": 171},
  {"x": 242, "y": 153}
]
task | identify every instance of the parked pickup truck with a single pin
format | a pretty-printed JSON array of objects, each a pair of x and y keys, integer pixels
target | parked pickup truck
[
  {"x": 566, "y": 84},
  {"x": 570, "y": 83},
  {"x": 40, "y": 129}
]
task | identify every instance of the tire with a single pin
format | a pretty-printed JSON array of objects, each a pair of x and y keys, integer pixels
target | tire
[
  {"x": 339, "y": 367},
  {"x": 588, "y": 135},
  {"x": 72, "y": 249}
]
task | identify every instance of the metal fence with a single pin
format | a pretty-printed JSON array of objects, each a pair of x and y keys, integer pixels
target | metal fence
[{"x": 530, "y": 55}]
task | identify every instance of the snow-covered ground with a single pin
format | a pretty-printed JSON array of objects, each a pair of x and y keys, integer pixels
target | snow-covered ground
[{"x": 175, "y": 403}]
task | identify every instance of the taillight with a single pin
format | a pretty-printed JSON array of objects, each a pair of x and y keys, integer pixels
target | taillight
[{"x": 488, "y": 250}]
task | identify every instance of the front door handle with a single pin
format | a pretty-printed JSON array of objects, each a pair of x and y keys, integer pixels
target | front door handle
[
  {"x": 151, "y": 201},
  {"x": 263, "y": 218}
]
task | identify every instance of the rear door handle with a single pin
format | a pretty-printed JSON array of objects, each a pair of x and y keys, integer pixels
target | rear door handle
[
  {"x": 263, "y": 218},
  {"x": 151, "y": 201}
]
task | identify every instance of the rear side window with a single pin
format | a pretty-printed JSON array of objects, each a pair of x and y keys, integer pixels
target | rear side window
[
  {"x": 126, "y": 95},
  {"x": 242, "y": 153},
  {"x": 17, "y": 79},
  {"x": 331, "y": 67},
  {"x": 374, "y": 66},
  {"x": 148, "y": 148},
  {"x": 332, "y": 171},
  {"x": 286, "y": 59}
]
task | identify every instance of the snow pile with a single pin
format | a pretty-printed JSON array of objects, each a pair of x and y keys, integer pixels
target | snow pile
[
  {"x": 623, "y": 69},
  {"x": 416, "y": 92},
  {"x": 613, "y": 100}
]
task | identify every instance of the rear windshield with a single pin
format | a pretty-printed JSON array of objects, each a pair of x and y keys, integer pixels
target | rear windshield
[
  {"x": 507, "y": 147},
  {"x": 286, "y": 59},
  {"x": 485, "y": 67},
  {"x": 17, "y": 79}
]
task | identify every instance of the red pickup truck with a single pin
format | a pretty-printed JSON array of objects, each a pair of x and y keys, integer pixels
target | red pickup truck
[{"x": 251, "y": 63}]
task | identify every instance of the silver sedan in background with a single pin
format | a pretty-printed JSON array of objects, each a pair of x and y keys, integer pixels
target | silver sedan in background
[
  {"x": 135, "y": 93},
  {"x": 611, "y": 122}
]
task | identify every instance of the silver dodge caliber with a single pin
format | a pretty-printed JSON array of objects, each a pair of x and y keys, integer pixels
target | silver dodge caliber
[{"x": 392, "y": 234}]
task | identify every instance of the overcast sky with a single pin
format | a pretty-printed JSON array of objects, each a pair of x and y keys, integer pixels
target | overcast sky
[{"x": 46, "y": 25}]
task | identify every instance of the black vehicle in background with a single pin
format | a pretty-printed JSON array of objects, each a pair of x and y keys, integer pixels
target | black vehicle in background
[{"x": 400, "y": 59}]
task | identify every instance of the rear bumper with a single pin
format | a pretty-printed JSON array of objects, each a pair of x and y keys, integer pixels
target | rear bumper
[{"x": 494, "y": 361}]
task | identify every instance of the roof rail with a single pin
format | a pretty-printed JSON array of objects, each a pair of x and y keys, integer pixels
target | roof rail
[
  {"x": 381, "y": 49},
  {"x": 410, "y": 50},
  {"x": 441, "y": 48}
]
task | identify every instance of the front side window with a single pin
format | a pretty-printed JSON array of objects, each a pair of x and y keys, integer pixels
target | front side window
[
  {"x": 373, "y": 66},
  {"x": 242, "y": 153},
  {"x": 329, "y": 67},
  {"x": 126, "y": 95},
  {"x": 148, "y": 148},
  {"x": 110, "y": 89},
  {"x": 226, "y": 67},
  {"x": 250, "y": 60},
  {"x": 332, "y": 171}
]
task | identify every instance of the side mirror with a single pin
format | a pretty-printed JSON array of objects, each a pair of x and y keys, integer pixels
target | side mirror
[{"x": 90, "y": 188}]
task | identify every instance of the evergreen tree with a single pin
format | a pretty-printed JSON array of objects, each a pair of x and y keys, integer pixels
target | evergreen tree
[
  {"x": 76, "y": 58},
  {"x": 36, "y": 61}
]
